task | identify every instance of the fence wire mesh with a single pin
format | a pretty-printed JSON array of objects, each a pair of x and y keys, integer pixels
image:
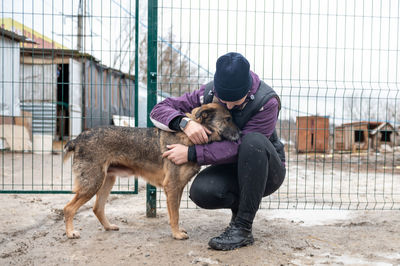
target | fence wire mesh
[
  {"x": 70, "y": 65},
  {"x": 334, "y": 65},
  {"x": 65, "y": 66}
]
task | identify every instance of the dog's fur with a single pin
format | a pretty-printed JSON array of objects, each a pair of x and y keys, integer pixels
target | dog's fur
[{"x": 101, "y": 154}]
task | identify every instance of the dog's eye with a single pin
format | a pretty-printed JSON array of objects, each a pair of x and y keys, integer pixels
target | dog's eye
[{"x": 228, "y": 119}]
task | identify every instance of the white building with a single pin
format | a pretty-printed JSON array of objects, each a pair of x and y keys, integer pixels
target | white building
[{"x": 9, "y": 69}]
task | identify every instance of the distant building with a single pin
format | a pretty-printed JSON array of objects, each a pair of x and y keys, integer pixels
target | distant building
[
  {"x": 68, "y": 91},
  {"x": 397, "y": 137},
  {"x": 61, "y": 91},
  {"x": 9, "y": 78},
  {"x": 312, "y": 134},
  {"x": 38, "y": 40},
  {"x": 364, "y": 135},
  {"x": 14, "y": 132},
  {"x": 385, "y": 133}
]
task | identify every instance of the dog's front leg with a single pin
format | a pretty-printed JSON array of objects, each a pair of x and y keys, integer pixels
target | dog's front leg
[
  {"x": 69, "y": 212},
  {"x": 173, "y": 201}
]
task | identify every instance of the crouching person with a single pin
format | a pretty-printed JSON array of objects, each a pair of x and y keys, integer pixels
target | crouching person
[{"x": 241, "y": 173}]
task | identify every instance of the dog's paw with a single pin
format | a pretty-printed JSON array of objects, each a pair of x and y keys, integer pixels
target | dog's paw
[
  {"x": 180, "y": 235},
  {"x": 182, "y": 230},
  {"x": 112, "y": 227},
  {"x": 73, "y": 234}
]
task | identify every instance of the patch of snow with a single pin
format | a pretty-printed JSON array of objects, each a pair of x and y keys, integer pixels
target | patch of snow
[{"x": 310, "y": 217}]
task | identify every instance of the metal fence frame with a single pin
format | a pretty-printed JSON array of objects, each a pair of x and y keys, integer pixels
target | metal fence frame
[
  {"x": 288, "y": 43},
  {"x": 317, "y": 55}
]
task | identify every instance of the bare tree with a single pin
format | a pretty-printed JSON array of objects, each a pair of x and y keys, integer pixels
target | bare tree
[
  {"x": 357, "y": 109},
  {"x": 391, "y": 111},
  {"x": 372, "y": 109},
  {"x": 176, "y": 75}
]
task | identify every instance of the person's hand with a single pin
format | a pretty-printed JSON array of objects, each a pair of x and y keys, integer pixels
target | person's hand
[
  {"x": 196, "y": 132},
  {"x": 177, "y": 153}
]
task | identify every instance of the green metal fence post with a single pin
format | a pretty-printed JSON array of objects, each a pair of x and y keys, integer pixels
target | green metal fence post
[
  {"x": 151, "y": 89},
  {"x": 136, "y": 74}
]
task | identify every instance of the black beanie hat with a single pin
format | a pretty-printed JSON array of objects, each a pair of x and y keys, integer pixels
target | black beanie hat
[{"x": 232, "y": 78}]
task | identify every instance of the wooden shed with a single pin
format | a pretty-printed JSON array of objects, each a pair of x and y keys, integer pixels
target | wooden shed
[
  {"x": 363, "y": 135},
  {"x": 51, "y": 89},
  {"x": 312, "y": 134},
  {"x": 353, "y": 136},
  {"x": 385, "y": 133},
  {"x": 73, "y": 91}
]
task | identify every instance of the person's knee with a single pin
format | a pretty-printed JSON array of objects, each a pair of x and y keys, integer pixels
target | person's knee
[
  {"x": 198, "y": 195},
  {"x": 254, "y": 142},
  {"x": 209, "y": 196},
  {"x": 253, "y": 138},
  {"x": 203, "y": 195},
  {"x": 215, "y": 187}
]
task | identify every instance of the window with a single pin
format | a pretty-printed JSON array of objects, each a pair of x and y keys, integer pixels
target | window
[
  {"x": 359, "y": 135},
  {"x": 385, "y": 136}
]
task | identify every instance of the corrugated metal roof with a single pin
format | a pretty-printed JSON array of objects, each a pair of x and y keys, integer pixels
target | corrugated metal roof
[
  {"x": 14, "y": 36},
  {"x": 65, "y": 53},
  {"x": 36, "y": 39},
  {"x": 43, "y": 117}
]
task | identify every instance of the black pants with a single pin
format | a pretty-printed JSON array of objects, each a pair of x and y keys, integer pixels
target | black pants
[{"x": 240, "y": 186}]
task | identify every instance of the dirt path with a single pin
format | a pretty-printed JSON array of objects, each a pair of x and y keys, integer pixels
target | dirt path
[{"x": 32, "y": 233}]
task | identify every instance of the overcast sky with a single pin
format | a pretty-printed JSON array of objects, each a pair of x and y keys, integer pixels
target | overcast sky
[{"x": 316, "y": 54}]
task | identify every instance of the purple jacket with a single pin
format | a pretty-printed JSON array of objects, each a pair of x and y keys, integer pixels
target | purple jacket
[{"x": 216, "y": 152}]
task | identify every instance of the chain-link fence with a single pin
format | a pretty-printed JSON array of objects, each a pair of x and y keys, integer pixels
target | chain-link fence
[{"x": 335, "y": 65}]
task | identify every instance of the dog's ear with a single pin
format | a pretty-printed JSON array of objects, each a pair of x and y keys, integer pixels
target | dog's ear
[{"x": 204, "y": 112}]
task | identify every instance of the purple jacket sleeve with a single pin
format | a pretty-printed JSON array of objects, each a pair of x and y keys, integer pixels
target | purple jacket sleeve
[
  {"x": 226, "y": 151},
  {"x": 168, "y": 109}
]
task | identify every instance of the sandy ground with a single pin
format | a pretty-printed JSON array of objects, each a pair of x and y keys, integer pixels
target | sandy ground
[
  {"x": 32, "y": 233},
  {"x": 32, "y": 228}
]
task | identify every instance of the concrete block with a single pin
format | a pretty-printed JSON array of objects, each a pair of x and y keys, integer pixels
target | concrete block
[
  {"x": 42, "y": 144},
  {"x": 17, "y": 137}
]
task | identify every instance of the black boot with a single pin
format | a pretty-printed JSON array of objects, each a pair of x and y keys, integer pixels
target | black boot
[
  {"x": 233, "y": 218},
  {"x": 233, "y": 237}
]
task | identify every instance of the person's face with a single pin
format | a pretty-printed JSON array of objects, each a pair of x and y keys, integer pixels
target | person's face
[{"x": 231, "y": 105}]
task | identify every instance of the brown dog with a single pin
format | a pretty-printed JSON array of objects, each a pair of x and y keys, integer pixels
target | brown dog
[{"x": 101, "y": 154}]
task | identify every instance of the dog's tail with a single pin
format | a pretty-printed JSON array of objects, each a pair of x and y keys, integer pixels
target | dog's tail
[{"x": 69, "y": 148}]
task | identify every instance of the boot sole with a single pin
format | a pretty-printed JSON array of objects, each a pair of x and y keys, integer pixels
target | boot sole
[{"x": 248, "y": 242}]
